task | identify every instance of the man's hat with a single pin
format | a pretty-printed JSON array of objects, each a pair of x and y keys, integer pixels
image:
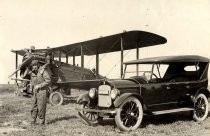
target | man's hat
[{"x": 32, "y": 47}]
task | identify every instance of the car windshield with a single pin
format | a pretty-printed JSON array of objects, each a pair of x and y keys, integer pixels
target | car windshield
[{"x": 149, "y": 71}]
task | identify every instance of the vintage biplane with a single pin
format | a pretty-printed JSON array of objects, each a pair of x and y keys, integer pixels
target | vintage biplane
[{"x": 67, "y": 75}]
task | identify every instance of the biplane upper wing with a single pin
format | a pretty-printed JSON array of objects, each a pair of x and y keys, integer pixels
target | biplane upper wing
[
  {"x": 112, "y": 43},
  {"x": 117, "y": 42}
]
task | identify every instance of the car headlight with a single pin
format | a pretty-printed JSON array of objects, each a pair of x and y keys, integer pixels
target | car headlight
[
  {"x": 114, "y": 93},
  {"x": 92, "y": 93}
]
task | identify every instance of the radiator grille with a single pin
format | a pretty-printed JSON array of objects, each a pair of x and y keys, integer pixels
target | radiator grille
[{"x": 104, "y": 99}]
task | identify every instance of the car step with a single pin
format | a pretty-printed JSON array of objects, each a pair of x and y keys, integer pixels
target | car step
[{"x": 171, "y": 111}]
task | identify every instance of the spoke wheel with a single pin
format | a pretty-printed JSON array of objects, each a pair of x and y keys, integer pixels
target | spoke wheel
[
  {"x": 200, "y": 108},
  {"x": 93, "y": 118},
  {"x": 129, "y": 115},
  {"x": 56, "y": 98}
]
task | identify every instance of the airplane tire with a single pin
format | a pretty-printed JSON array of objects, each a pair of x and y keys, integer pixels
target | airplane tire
[{"x": 56, "y": 99}]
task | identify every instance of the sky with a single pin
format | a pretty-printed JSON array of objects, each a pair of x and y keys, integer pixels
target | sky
[{"x": 53, "y": 23}]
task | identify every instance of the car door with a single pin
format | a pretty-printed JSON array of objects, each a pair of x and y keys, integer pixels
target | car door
[
  {"x": 156, "y": 96},
  {"x": 180, "y": 85},
  {"x": 176, "y": 92},
  {"x": 165, "y": 96}
]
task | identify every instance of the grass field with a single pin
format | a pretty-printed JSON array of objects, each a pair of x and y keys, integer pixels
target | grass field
[{"x": 63, "y": 120}]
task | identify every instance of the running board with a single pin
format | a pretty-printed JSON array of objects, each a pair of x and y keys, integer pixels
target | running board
[{"x": 171, "y": 111}]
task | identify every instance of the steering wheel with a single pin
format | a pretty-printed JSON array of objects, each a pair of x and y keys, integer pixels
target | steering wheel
[
  {"x": 172, "y": 80},
  {"x": 153, "y": 74}
]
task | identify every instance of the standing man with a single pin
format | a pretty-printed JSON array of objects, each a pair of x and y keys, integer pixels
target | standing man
[{"x": 40, "y": 80}]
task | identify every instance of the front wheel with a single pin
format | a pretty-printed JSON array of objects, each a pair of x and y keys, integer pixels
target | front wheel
[
  {"x": 89, "y": 118},
  {"x": 129, "y": 115},
  {"x": 200, "y": 112}
]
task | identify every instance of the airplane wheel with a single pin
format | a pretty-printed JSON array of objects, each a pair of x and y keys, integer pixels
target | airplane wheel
[{"x": 56, "y": 98}]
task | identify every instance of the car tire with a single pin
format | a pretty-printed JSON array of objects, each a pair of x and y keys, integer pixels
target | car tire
[
  {"x": 200, "y": 112},
  {"x": 129, "y": 115},
  {"x": 56, "y": 99},
  {"x": 89, "y": 118}
]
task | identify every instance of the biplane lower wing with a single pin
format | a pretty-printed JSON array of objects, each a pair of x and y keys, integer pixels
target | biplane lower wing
[{"x": 81, "y": 84}]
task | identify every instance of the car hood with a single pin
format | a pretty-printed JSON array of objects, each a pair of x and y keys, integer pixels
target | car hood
[{"x": 123, "y": 83}]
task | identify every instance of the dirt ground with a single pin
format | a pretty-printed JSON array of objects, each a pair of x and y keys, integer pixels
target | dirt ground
[{"x": 64, "y": 120}]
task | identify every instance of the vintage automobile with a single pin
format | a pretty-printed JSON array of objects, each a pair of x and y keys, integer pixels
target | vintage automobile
[{"x": 153, "y": 86}]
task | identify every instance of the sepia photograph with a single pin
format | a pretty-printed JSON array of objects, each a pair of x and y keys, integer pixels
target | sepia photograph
[{"x": 104, "y": 67}]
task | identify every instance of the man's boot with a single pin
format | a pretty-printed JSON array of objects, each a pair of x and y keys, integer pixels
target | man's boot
[
  {"x": 33, "y": 122},
  {"x": 42, "y": 121}
]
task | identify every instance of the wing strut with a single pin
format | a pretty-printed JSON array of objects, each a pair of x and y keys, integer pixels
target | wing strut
[
  {"x": 59, "y": 56},
  {"x": 67, "y": 58},
  {"x": 137, "y": 57},
  {"x": 73, "y": 60},
  {"x": 82, "y": 61},
  {"x": 16, "y": 64},
  {"x": 121, "y": 46},
  {"x": 97, "y": 64}
]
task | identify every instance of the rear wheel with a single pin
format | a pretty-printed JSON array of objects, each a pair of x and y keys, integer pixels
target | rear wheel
[
  {"x": 89, "y": 118},
  {"x": 200, "y": 108},
  {"x": 129, "y": 115}
]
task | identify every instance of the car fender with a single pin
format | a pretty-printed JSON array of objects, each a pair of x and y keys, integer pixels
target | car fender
[
  {"x": 205, "y": 91},
  {"x": 83, "y": 98},
  {"x": 124, "y": 96}
]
